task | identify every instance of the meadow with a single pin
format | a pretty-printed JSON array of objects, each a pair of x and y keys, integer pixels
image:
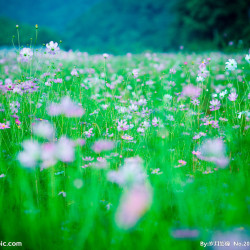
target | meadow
[{"x": 147, "y": 151}]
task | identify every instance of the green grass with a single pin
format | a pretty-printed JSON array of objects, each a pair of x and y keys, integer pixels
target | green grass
[{"x": 33, "y": 213}]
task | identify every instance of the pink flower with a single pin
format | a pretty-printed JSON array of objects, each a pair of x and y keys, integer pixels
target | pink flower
[
  {"x": 215, "y": 105},
  {"x": 196, "y": 153},
  {"x": 183, "y": 163},
  {"x": 65, "y": 107},
  {"x": 4, "y": 126},
  {"x": 232, "y": 97},
  {"x": 213, "y": 150},
  {"x": 74, "y": 72},
  {"x": 122, "y": 125},
  {"x": 103, "y": 145},
  {"x": 127, "y": 137},
  {"x": 191, "y": 91},
  {"x": 133, "y": 205}
]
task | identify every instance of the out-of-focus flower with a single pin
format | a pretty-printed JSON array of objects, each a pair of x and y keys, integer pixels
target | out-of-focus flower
[
  {"x": 52, "y": 48},
  {"x": 31, "y": 154},
  {"x": 247, "y": 57},
  {"x": 185, "y": 233},
  {"x": 214, "y": 150},
  {"x": 131, "y": 173},
  {"x": 65, "y": 150},
  {"x": 231, "y": 64},
  {"x": 133, "y": 205},
  {"x": 74, "y": 72},
  {"x": 65, "y": 107},
  {"x": 135, "y": 73},
  {"x": 191, "y": 91},
  {"x": 43, "y": 129},
  {"x": 103, "y": 145}
]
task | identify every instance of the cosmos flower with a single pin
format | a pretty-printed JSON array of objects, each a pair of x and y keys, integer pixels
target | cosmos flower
[
  {"x": 130, "y": 174},
  {"x": 30, "y": 156},
  {"x": 122, "y": 125},
  {"x": 232, "y": 97},
  {"x": 127, "y": 137},
  {"x": 14, "y": 106},
  {"x": 74, "y": 72},
  {"x": 214, "y": 150},
  {"x": 103, "y": 145},
  {"x": 25, "y": 55},
  {"x": 65, "y": 107},
  {"x": 191, "y": 91},
  {"x": 4, "y": 126},
  {"x": 133, "y": 205},
  {"x": 215, "y": 105},
  {"x": 231, "y": 65},
  {"x": 52, "y": 48},
  {"x": 43, "y": 129}
]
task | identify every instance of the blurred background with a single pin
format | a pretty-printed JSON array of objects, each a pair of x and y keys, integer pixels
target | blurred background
[{"x": 121, "y": 26}]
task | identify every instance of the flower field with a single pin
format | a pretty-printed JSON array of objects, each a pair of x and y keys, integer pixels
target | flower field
[{"x": 147, "y": 151}]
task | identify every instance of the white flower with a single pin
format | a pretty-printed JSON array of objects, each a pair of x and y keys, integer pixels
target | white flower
[
  {"x": 31, "y": 154},
  {"x": 44, "y": 129},
  {"x": 231, "y": 64},
  {"x": 52, "y": 48},
  {"x": 248, "y": 58},
  {"x": 200, "y": 79},
  {"x": 25, "y": 55}
]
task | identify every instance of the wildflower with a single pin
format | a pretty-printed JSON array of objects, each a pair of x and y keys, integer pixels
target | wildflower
[
  {"x": 200, "y": 78},
  {"x": 231, "y": 64},
  {"x": 127, "y": 137},
  {"x": 248, "y": 58},
  {"x": 14, "y": 107},
  {"x": 155, "y": 122},
  {"x": 65, "y": 107},
  {"x": 191, "y": 91},
  {"x": 183, "y": 163},
  {"x": 74, "y": 72},
  {"x": 232, "y": 97},
  {"x": 65, "y": 150},
  {"x": 31, "y": 154},
  {"x": 25, "y": 55},
  {"x": 52, "y": 48},
  {"x": 133, "y": 205},
  {"x": 196, "y": 153},
  {"x": 4, "y": 126},
  {"x": 156, "y": 171},
  {"x": 103, "y": 145},
  {"x": 43, "y": 129},
  {"x": 213, "y": 150},
  {"x": 141, "y": 130},
  {"x": 215, "y": 105},
  {"x": 89, "y": 133},
  {"x": 135, "y": 73},
  {"x": 196, "y": 102},
  {"x": 105, "y": 55},
  {"x": 122, "y": 125},
  {"x": 130, "y": 174}
]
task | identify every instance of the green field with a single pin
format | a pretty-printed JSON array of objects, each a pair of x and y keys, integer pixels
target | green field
[{"x": 69, "y": 120}]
